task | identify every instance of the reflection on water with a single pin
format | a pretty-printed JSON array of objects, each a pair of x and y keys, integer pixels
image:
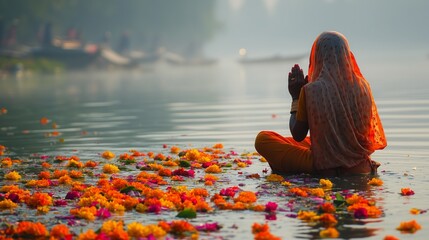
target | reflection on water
[{"x": 225, "y": 103}]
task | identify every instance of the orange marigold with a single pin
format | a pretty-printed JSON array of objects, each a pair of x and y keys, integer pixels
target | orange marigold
[
  {"x": 257, "y": 228},
  {"x": 60, "y": 231},
  {"x": 213, "y": 169},
  {"x": 246, "y": 197},
  {"x": 26, "y": 228},
  {"x": 107, "y": 155},
  {"x": 39, "y": 199},
  {"x": 275, "y": 178},
  {"x": 13, "y": 175},
  {"x": 375, "y": 182},
  {"x": 410, "y": 227},
  {"x": 88, "y": 235}
]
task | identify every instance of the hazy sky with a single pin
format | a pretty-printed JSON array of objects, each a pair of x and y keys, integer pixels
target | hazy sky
[{"x": 267, "y": 27}]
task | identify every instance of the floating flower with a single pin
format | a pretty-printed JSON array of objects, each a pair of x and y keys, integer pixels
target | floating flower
[
  {"x": 213, "y": 169},
  {"x": 107, "y": 155},
  {"x": 390, "y": 237},
  {"x": 183, "y": 172},
  {"x": 60, "y": 231},
  {"x": 88, "y": 235},
  {"x": 91, "y": 164},
  {"x": 325, "y": 183},
  {"x": 307, "y": 216},
  {"x": 298, "y": 192},
  {"x": 327, "y": 207},
  {"x": 275, "y": 178},
  {"x": 328, "y": 220},
  {"x": 30, "y": 229},
  {"x": 246, "y": 197},
  {"x": 75, "y": 164},
  {"x": 174, "y": 149},
  {"x": 7, "y": 204},
  {"x": 87, "y": 213},
  {"x": 271, "y": 207},
  {"x": 110, "y": 168},
  {"x": 6, "y": 162},
  {"x": 44, "y": 121},
  {"x": 329, "y": 233},
  {"x": 39, "y": 199},
  {"x": 44, "y": 175},
  {"x": 13, "y": 175},
  {"x": 318, "y": 192},
  {"x": 375, "y": 182},
  {"x": 407, "y": 191},
  {"x": 230, "y": 192},
  {"x": 73, "y": 195},
  {"x": 257, "y": 228},
  {"x": 43, "y": 183},
  {"x": 415, "y": 211},
  {"x": 409, "y": 227}
]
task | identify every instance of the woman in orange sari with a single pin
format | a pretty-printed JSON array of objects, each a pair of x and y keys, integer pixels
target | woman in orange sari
[{"x": 334, "y": 102}]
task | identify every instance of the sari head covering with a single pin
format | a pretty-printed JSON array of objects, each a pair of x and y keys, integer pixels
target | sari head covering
[{"x": 345, "y": 128}]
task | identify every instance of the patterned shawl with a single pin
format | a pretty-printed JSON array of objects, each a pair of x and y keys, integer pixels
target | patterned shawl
[{"x": 344, "y": 124}]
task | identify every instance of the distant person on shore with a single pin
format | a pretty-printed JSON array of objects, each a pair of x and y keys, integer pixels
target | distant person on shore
[
  {"x": 47, "y": 39},
  {"x": 335, "y": 103}
]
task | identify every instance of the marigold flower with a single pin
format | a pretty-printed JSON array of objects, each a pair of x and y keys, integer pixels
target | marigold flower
[
  {"x": 375, "y": 182},
  {"x": 407, "y": 191},
  {"x": 246, "y": 197},
  {"x": 60, "y": 231},
  {"x": 7, "y": 204},
  {"x": 328, "y": 220},
  {"x": 43, "y": 209},
  {"x": 87, "y": 213},
  {"x": 363, "y": 210},
  {"x": 257, "y": 228},
  {"x": 213, "y": 169},
  {"x": 275, "y": 178},
  {"x": 13, "y": 175},
  {"x": 329, "y": 233},
  {"x": 415, "y": 211},
  {"x": 88, "y": 235},
  {"x": 175, "y": 149},
  {"x": 46, "y": 165},
  {"x": 66, "y": 179},
  {"x": 307, "y": 216},
  {"x": 355, "y": 198},
  {"x": 26, "y": 228},
  {"x": 410, "y": 227},
  {"x": 181, "y": 227},
  {"x": 44, "y": 121},
  {"x": 325, "y": 183},
  {"x": 327, "y": 207},
  {"x": 107, "y": 155},
  {"x": 262, "y": 159},
  {"x": 39, "y": 199},
  {"x": 192, "y": 155},
  {"x": 265, "y": 236},
  {"x": 298, "y": 192},
  {"x": 43, "y": 183},
  {"x": 76, "y": 174},
  {"x": 44, "y": 175},
  {"x": 6, "y": 162},
  {"x": 318, "y": 192},
  {"x": 91, "y": 164},
  {"x": 110, "y": 168},
  {"x": 241, "y": 164}
]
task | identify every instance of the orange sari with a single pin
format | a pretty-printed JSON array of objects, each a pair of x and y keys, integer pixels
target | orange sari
[{"x": 345, "y": 128}]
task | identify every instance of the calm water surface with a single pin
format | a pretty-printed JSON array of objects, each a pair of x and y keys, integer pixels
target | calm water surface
[{"x": 228, "y": 103}]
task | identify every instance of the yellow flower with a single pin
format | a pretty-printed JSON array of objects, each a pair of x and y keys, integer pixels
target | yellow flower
[
  {"x": 286, "y": 183},
  {"x": 375, "y": 182},
  {"x": 192, "y": 155},
  {"x": 107, "y": 155},
  {"x": 14, "y": 175},
  {"x": 317, "y": 192},
  {"x": 175, "y": 149},
  {"x": 242, "y": 164},
  {"x": 110, "y": 168},
  {"x": 246, "y": 197},
  {"x": 325, "y": 183},
  {"x": 7, "y": 204},
  {"x": 111, "y": 226},
  {"x": 329, "y": 233},
  {"x": 262, "y": 159},
  {"x": 307, "y": 216},
  {"x": 43, "y": 209},
  {"x": 275, "y": 178}
]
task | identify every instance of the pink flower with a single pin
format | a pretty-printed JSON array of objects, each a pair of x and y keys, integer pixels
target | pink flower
[
  {"x": 208, "y": 227},
  {"x": 183, "y": 172},
  {"x": 271, "y": 216},
  {"x": 103, "y": 213},
  {"x": 230, "y": 192},
  {"x": 154, "y": 208},
  {"x": 271, "y": 207},
  {"x": 60, "y": 202}
]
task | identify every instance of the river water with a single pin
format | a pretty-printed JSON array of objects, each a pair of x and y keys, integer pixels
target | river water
[{"x": 224, "y": 103}]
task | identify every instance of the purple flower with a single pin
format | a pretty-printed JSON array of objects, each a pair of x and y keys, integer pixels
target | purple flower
[
  {"x": 271, "y": 216},
  {"x": 154, "y": 208},
  {"x": 13, "y": 197}
]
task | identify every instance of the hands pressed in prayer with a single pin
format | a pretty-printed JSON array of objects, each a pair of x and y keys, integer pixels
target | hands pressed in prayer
[{"x": 296, "y": 81}]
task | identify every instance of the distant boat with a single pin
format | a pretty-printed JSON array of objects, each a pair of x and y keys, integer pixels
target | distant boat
[
  {"x": 72, "y": 58},
  {"x": 273, "y": 59}
]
